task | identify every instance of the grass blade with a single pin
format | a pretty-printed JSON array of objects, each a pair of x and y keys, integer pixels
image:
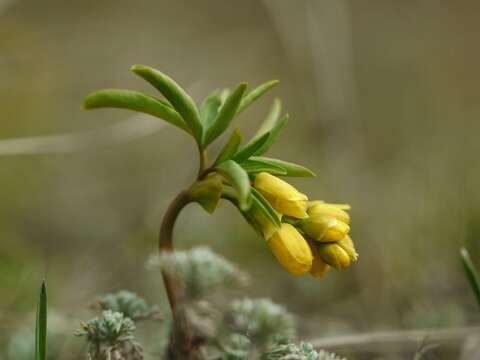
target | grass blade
[
  {"x": 471, "y": 272},
  {"x": 41, "y": 325},
  {"x": 136, "y": 101}
]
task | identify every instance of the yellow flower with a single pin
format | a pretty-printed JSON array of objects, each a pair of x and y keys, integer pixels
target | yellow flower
[
  {"x": 319, "y": 267},
  {"x": 347, "y": 244},
  {"x": 334, "y": 255},
  {"x": 291, "y": 250},
  {"x": 326, "y": 222},
  {"x": 283, "y": 197}
]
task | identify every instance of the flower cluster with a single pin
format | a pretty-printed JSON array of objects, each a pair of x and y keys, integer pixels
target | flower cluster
[
  {"x": 304, "y": 236},
  {"x": 313, "y": 235}
]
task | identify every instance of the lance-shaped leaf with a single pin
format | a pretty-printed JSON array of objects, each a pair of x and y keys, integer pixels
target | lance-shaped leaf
[
  {"x": 41, "y": 325},
  {"x": 274, "y": 133},
  {"x": 225, "y": 114},
  {"x": 255, "y": 166},
  {"x": 291, "y": 169},
  {"x": 251, "y": 148},
  {"x": 230, "y": 147},
  {"x": 261, "y": 204},
  {"x": 136, "y": 101},
  {"x": 238, "y": 178},
  {"x": 471, "y": 272},
  {"x": 256, "y": 93},
  {"x": 224, "y": 95},
  {"x": 177, "y": 96},
  {"x": 271, "y": 119},
  {"x": 209, "y": 108}
]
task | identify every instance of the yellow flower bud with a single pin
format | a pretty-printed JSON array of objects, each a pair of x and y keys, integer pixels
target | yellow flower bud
[
  {"x": 339, "y": 206},
  {"x": 347, "y": 244},
  {"x": 319, "y": 267},
  {"x": 291, "y": 250},
  {"x": 318, "y": 208},
  {"x": 334, "y": 255},
  {"x": 283, "y": 197},
  {"x": 326, "y": 222}
]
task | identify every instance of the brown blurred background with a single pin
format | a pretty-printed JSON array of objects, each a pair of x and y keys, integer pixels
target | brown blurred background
[{"x": 383, "y": 100}]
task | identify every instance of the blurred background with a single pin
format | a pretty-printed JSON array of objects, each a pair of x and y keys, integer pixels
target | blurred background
[{"x": 383, "y": 104}]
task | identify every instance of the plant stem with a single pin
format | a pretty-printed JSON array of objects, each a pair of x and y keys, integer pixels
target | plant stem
[
  {"x": 165, "y": 243},
  {"x": 182, "y": 345},
  {"x": 202, "y": 163}
]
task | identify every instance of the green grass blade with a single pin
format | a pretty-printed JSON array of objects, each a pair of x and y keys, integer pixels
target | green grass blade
[
  {"x": 238, "y": 178},
  {"x": 471, "y": 272},
  {"x": 225, "y": 114},
  {"x": 291, "y": 169},
  {"x": 136, "y": 101},
  {"x": 251, "y": 148},
  {"x": 230, "y": 147},
  {"x": 255, "y": 94},
  {"x": 175, "y": 94},
  {"x": 41, "y": 325}
]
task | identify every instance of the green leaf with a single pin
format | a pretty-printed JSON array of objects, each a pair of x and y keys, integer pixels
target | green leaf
[
  {"x": 271, "y": 119},
  {"x": 230, "y": 147},
  {"x": 224, "y": 93},
  {"x": 177, "y": 96},
  {"x": 225, "y": 114},
  {"x": 274, "y": 133},
  {"x": 264, "y": 206},
  {"x": 291, "y": 169},
  {"x": 41, "y": 325},
  {"x": 209, "y": 108},
  {"x": 255, "y": 166},
  {"x": 251, "y": 148},
  {"x": 256, "y": 93},
  {"x": 136, "y": 101},
  {"x": 471, "y": 272},
  {"x": 238, "y": 178}
]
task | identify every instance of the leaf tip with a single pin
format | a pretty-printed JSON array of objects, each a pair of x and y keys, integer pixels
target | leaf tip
[
  {"x": 242, "y": 87},
  {"x": 138, "y": 68},
  {"x": 87, "y": 103},
  {"x": 244, "y": 205}
]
